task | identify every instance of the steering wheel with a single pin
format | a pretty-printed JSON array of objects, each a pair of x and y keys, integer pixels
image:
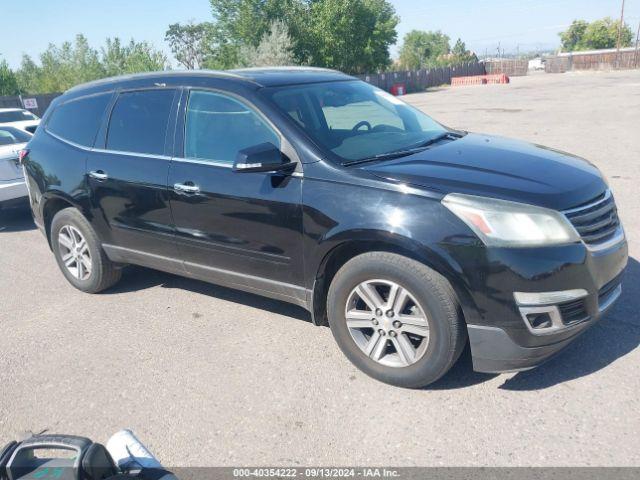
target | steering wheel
[{"x": 363, "y": 123}]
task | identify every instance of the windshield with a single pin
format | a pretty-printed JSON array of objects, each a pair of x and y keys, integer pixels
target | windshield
[
  {"x": 11, "y": 136},
  {"x": 355, "y": 120},
  {"x": 16, "y": 116}
]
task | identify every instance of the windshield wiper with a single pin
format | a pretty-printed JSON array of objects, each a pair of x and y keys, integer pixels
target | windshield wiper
[
  {"x": 442, "y": 136},
  {"x": 405, "y": 152},
  {"x": 385, "y": 156}
]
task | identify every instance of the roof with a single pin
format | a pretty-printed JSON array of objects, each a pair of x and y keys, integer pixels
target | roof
[
  {"x": 278, "y": 76},
  {"x": 596, "y": 52},
  {"x": 258, "y": 77},
  {"x": 12, "y": 109}
]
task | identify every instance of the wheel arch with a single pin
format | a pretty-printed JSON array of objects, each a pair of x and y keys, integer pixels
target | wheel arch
[
  {"x": 52, "y": 203},
  {"x": 343, "y": 250}
]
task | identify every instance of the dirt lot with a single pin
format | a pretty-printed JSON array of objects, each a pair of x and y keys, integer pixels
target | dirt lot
[{"x": 210, "y": 376}]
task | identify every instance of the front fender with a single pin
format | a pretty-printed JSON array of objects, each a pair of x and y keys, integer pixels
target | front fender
[{"x": 350, "y": 243}]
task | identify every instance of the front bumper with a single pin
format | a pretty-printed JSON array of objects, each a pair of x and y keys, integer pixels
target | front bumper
[
  {"x": 13, "y": 190},
  {"x": 500, "y": 337},
  {"x": 495, "y": 352}
]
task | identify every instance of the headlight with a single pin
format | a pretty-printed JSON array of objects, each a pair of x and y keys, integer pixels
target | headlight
[{"x": 500, "y": 223}]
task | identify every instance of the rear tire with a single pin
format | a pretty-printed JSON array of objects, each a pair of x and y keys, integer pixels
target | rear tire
[
  {"x": 79, "y": 253},
  {"x": 410, "y": 342}
]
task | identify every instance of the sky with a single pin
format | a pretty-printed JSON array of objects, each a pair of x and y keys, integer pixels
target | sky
[{"x": 524, "y": 25}]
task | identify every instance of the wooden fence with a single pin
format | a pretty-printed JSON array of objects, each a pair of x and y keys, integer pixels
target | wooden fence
[
  {"x": 627, "y": 58},
  {"x": 510, "y": 67},
  {"x": 43, "y": 101},
  {"x": 418, "y": 80}
]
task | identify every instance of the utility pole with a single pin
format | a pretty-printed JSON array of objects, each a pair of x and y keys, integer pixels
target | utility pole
[
  {"x": 635, "y": 56},
  {"x": 620, "y": 25}
]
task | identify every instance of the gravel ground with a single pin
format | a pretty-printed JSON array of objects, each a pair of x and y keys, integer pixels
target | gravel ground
[{"x": 209, "y": 376}]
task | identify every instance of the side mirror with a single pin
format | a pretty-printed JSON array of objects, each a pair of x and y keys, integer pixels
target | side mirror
[{"x": 265, "y": 157}]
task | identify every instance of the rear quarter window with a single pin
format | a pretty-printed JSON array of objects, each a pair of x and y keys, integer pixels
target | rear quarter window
[{"x": 78, "y": 120}]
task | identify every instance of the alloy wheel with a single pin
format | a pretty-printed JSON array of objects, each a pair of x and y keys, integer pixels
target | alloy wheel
[
  {"x": 387, "y": 323},
  {"x": 74, "y": 252}
]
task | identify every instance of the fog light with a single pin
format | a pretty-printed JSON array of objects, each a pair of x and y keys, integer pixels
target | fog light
[
  {"x": 539, "y": 320},
  {"x": 542, "y": 320},
  {"x": 540, "y": 311}
]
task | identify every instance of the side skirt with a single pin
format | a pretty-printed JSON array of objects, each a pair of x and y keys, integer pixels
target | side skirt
[{"x": 227, "y": 278}]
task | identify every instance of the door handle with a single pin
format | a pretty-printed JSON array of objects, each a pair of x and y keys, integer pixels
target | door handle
[
  {"x": 98, "y": 175},
  {"x": 186, "y": 188}
]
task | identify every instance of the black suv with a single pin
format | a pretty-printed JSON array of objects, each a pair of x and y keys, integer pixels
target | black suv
[{"x": 309, "y": 186}]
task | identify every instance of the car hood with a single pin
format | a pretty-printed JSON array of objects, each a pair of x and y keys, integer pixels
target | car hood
[{"x": 498, "y": 167}]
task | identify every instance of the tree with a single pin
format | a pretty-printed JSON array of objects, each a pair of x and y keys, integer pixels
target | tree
[
  {"x": 604, "y": 34},
  {"x": 599, "y": 34},
  {"x": 191, "y": 44},
  {"x": 69, "y": 64},
  {"x": 242, "y": 24},
  {"x": 61, "y": 67},
  {"x": 351, "y": 35},
  {"x": 28, "y": 76},
  {"x": 132, "y": 58},
  {"x": 573, "y": 36},
  {"x": 275, "y": 48},
  {"x": 247, "y": 21},
  {"x": 460, "y": 54},
  {"x": 143, "y": 57},
  {"x": 8, "y": 80},
  {"x": 422, "y": 49}
]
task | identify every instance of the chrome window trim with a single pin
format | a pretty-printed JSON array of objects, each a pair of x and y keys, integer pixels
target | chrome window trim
[
  {"x": 149, "y": 155},
  {"x": 103, "y": 150},
  {"x": 68, "y": 142},
  {"x": 132, "y": 154},
  {"x": 200, "y": 161}
]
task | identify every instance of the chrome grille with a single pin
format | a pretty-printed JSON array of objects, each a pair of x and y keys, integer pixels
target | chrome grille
[{"x": 596, "y": 221}]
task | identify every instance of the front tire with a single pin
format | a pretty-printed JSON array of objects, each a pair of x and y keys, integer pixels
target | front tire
[
  {"x": 79, "y": 254},
  {"x": 396, "y": 319}
]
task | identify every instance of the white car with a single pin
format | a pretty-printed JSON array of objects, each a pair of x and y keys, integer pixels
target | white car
[
  {"x": 13, "y": 189},
  {"x": 19, "y": 118}
]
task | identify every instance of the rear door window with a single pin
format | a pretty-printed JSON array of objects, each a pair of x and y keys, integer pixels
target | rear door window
[
  {"x": 78, "y": 120},
  {"x": 139, "y": 121}
]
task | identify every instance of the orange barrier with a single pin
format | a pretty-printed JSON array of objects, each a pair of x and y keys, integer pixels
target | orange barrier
[{"x": 500, "y": 78}]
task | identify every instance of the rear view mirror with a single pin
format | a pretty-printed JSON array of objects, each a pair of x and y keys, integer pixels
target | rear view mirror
[{"x": 265, "y": 157}]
